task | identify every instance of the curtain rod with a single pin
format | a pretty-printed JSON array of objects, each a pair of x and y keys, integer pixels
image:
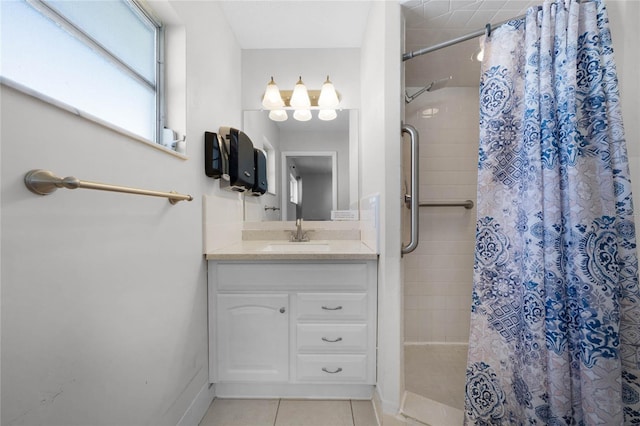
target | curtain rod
[
  {"x": 478, "y": 33},
  {"x": 43, "y": 182},
  {"x": 487, "y": 29}
]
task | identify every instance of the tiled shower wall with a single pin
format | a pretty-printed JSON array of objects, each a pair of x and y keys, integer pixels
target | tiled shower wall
[{"x": 439, "y": 273}]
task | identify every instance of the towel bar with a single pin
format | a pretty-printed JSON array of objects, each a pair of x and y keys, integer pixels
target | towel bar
[{"x": 44, "y": 182}]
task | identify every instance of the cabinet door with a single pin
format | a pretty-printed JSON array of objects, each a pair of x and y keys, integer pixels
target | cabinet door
[{"x": 253, "y": 337}]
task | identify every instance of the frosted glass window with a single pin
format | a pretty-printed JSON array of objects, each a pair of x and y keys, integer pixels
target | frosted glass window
[
  {"x": 39, "y": 53},
  {"x": 119, "y": 28}
]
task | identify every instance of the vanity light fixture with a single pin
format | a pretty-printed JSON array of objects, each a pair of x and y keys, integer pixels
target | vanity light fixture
[
  {"x": 278, "y": 115},
  {"x": 327, "y": 114},
  {"x": 301, "y": 100},
  {"x": 272, "y": 99},
  {"x": 328, "y": 97},
  {"x": 302, "y": 114},
  {"x": 300, "y": 97}
]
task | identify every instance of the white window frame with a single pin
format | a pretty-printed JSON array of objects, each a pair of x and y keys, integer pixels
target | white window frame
[{"x": 157, "y": 88}]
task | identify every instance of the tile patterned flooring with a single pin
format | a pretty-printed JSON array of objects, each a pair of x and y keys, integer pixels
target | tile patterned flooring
[{"x": 289, "y": 412}]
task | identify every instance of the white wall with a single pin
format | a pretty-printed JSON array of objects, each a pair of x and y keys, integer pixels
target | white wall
[
  {"x": 316, "y": 200},
  {"x": 380, "y": 170},
  {"x": 104, "y": 295}
]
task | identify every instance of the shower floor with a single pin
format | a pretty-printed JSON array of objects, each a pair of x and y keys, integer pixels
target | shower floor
[{"x": 436, "y": 371}]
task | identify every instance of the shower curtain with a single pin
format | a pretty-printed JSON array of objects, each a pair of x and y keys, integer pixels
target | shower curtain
[{"x": 555, "y": 323}]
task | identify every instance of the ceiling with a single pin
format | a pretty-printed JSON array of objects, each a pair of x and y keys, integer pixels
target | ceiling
[
  {"x": 291, "y": 24},
  {"x": 305, "y": 164},
  {"x": 270, "y": 24}
]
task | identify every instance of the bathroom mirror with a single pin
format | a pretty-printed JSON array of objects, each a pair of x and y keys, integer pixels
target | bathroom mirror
[{"x": 324, "y": 152}]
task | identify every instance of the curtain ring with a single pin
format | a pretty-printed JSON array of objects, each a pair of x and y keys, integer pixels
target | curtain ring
[{"x": 488, "y": 28}]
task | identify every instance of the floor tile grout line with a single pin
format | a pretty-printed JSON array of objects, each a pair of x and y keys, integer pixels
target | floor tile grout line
[
  {"x": 275, "y": 419},
  {"x": 353, "y": 418}
]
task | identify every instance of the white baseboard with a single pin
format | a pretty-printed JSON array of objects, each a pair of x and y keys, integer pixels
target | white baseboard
[
  {"x": 199, "y": 406},
  {"x": 297, "y": 390},
  {"x": 386, "y": 407},
  {"x": 377, "y": 406}
]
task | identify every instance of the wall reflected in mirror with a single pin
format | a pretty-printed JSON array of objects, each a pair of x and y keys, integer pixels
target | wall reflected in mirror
[
  {"x": 312, "y": 189},
  {"x": 323, "y": 154}
]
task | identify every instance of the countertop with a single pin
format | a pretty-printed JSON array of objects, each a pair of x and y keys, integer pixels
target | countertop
[{"x": 284, "y": 250}]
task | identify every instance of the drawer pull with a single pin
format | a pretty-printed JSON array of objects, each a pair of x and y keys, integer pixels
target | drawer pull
[
  {"x": 337, "y": 308},
  {"x": 339, "y": 339},
  {"x": 337, "y": 370}
]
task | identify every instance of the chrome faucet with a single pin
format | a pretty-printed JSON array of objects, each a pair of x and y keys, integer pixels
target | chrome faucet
[{"x": 298, "y": 235}]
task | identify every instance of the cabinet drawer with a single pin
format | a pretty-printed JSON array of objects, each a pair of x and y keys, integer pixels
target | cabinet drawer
[
  {"x": 331, "y": 337},
  {"x": 330, "y": 306},
  {"x": 332, "y": 368}
]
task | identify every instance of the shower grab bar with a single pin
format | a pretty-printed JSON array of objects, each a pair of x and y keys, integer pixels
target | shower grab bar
[
  {"x": 44, "y": 182},
  {"x": 468, "y": 204},
  {"x": 413, "y": 197}
]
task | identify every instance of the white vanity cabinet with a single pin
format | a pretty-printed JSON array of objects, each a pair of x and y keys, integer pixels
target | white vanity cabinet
[{"x": 297, "y": 328}]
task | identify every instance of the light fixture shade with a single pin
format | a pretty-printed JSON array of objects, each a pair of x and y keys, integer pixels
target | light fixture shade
[
  {"x": 328, "y": 96},
  {"x": 327, "y": 114},
  {"x": 278, "y": 115},
  {"x": 302, "y": 115},
  {"x": 300, "y": 96},
  {"x": 272, "y": 98}
]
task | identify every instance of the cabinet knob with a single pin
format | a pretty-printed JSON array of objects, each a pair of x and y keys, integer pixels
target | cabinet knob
[
  {"x": 339, "y": 339},
  {"x": 282, "y": 310},
  {"x": 337, "y": 370}
]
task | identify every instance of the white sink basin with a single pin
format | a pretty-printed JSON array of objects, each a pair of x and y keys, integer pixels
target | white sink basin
[{"x": 296, "y": 247}]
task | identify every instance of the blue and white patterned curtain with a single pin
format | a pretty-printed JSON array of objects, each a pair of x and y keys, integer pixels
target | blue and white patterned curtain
[{"x": 555, "y": 323}]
